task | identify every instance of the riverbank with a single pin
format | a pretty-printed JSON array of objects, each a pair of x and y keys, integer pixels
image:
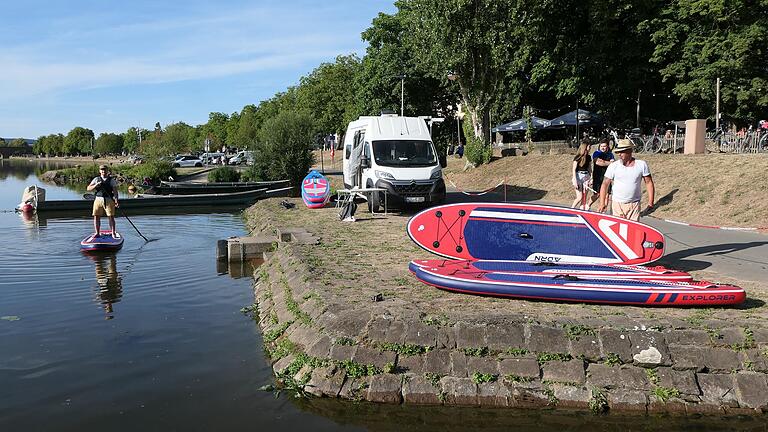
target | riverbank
[{"x": 342, "y": 317}]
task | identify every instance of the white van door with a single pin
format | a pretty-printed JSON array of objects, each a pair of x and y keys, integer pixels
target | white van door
[{"x": 352, "y": 140}]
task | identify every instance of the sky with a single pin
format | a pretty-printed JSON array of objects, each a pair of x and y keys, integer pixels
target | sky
[{"x": 110, "y": 65}]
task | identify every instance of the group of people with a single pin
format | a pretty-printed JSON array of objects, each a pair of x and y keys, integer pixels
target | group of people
[{"x": 603, "y": 175}]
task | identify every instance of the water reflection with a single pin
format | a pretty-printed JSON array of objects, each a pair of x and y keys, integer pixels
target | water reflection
[
  {"x": 109, "y": 283},
  {"x": 237, "y": 270}
]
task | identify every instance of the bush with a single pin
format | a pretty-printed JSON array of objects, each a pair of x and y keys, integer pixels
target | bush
[
  {"x": 285, "y": 148},
  {"x": 224, "y": 174},
  {"x": 80, "y": 174},
  {"x": 156, "y": 170},
  {"x": 477, "y": 152},
  {"x": 251, "y": 174}
]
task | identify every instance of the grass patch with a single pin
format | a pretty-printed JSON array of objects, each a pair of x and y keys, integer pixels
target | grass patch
[
  {"x": 517, "y": 379},
  {"x": 517, "y": 352},
  {"x": 479, "y": 378},
  {"x": 748, "y": 343},
  {"x": 551, "y": 398},
  {"x": 575, "y": 331},
  {"x": 275, "y": 333},
  {"x": 653, "y": 376},
  {"x": 598, "y": 403},
  {"x": 476, "y": 352},
  {"x": 548, "y": 357},
  {"x": 612, "y": 359},
  {"x": 665, "y": 393},
  {"x": 436, "y": 320},
  {"x": 293, "y": 307},
  {"x": 433, "y": 378},
  {"x": 344, "y": 341},
  {"x": 357, "y": 370},
  {"x": 405, "y": 349}
]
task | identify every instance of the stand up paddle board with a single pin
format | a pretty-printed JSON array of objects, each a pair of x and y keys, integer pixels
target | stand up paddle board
[
  {"x": 315, "y": 190},
  {"x": 547, "y": 269},
  {"x": 103, "y": 242},
  {"x": 577, "y": 289},
  {"x": 529, "y": 232}
]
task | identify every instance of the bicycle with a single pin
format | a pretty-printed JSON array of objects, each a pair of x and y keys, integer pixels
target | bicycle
[{"x": 653, "y": 144}]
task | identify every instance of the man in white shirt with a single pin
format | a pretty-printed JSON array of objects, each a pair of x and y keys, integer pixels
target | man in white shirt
[{"x": 626, "y": 174}]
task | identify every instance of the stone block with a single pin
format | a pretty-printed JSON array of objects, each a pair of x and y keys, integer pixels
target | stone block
[
  {"x": 571, "y": 397},
  {"x": 521, "y": 367},
  {"x": 722, "y": 360},
  {"x": 342, "y": 352},
  {"x": 628, "y": 377},
  {"x": 760, "y": 335},
  {"x": 396, "y": 332},
  {"x": 547, "y": 339},
  {"x": 751, "y": 390},
  {"x": 684, "y": 381},
  {"x": 528, "y": 398},
  {"x": 281, "y": 365},
  {"x": 418, "y": 391},
  {"x": 615, "y": 342},
  {"x": 365, "y": 355},
  {"x": 446, "y": 338},
  {"x": 564, "y": 372},
  {"x": 626, "y": 400},
  {"x": 348, "y": 323},
  {"x": 754, "y": 360},
  {"x": 484, "y": 365},
  {"x": 671, "y": 406},
  {"x": 501, "y": 337},
  {"x": 377, "y": 328},
  {"x": 493, "y": 394},
  {"x": 458, "y": 364},
  {"x": 320, "y": 348},
  {"x": 411, "y": 364},
  {"x": 587, "y": 347},
  {"x": 459, "y": 391},
  {"x": 469, "y": 335},
  {"x": 730, "y": 336},
  {"x": 437, "y": 361},
  {"x": 687, "y": 337},
  {"x": 355, "y": 388},
  {"x": 385, "y": 388},
  {"x": 420, "y": 334},
  {"x": 717, "y": 389},
  {"x": 325, "y": 381},
  {"x": 649, "y": 349},
  {"x": 688, "y": 357}
]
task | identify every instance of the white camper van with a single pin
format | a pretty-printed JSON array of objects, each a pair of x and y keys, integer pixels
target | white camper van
[{"x": 395, "y": 153}]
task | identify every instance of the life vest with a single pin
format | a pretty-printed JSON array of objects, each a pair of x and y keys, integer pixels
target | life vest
[{"x": 104, "y": 189}]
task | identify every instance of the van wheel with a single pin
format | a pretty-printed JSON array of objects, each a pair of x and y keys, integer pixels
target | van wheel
[{"x": 198, "y": 165}]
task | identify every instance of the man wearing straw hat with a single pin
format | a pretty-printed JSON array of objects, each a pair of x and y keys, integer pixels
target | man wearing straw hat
[
  {"x": 626, "y": 174},
  {"x": 106, "y": 199}
]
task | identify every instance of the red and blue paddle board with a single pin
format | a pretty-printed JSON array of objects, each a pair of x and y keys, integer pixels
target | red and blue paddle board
[
  {"x": 576, "y": 289},
  {"x": 533, "y": 232},
  {"x": 105, "y": 241},
  {"x": 315, "y": 190},
  {"x": 548, "y": 269}
]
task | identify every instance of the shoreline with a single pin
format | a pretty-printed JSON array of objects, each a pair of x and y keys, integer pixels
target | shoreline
[{"x": 421, "y": 346}]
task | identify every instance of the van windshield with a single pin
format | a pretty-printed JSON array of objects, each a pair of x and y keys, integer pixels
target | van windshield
[{"x": 397, "y": 153}]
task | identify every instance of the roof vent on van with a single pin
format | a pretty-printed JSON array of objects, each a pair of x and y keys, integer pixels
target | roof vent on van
[{"x": 388, "y": 113}]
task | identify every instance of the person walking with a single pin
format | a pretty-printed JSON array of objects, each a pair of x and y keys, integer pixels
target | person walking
[
  {"x": 105, "y": 187},
  {"x": 580, "y": 175},
  {"x": 626, "y": 175},
  {"x": 601, "y": 158}
]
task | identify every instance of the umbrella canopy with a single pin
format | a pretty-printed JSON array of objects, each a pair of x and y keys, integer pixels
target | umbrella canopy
[
  {"x": 585, "y": 118},
  {"x": 521, "y": 125}
]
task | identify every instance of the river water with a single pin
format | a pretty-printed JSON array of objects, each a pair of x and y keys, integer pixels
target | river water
[{"x": 152, "y": 338}]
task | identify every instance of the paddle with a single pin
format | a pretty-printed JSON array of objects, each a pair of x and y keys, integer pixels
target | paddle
[{"x": 90, "y": 196}]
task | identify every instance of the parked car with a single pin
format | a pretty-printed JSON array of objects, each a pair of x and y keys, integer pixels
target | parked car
[
  {"x": 211, "y": 158},
  {"x": 242, "y": 158},
  {"x": 187, "y": 161}
]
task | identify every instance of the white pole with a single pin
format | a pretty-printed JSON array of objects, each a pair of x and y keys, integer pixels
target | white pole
[
  {"x": 717, "y": 104},
  {"x": 402, "y": 95}
]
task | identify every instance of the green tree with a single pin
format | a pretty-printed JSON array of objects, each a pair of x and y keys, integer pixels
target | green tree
[
  {"x": 108, "y": 143},
  {"x": 131, "y": 138},
  {"x": 216, "y": 128},
  {"x": 2, "y": 142},
  {"x": 328, "y": 94},
  {"x": 285, "y": 147},
  {"x": 178, "y": 138},
  {"x": 79, "y": 140},
  {"x": 17, "y": 142},
  {"x": 699, "y": 41}
]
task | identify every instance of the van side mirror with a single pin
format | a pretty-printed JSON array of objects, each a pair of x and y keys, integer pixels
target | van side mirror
[
  {"x": 365, "y": 162},
  {"x": 443, "y": 160}
]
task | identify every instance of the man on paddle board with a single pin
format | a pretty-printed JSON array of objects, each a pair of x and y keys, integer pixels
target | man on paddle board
[
  {"x": 626, "y": 175},
  {"x": 106, "y": 198}
]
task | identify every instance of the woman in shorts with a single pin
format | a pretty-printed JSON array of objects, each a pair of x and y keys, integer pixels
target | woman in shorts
[{"x": 581, "y": 175}]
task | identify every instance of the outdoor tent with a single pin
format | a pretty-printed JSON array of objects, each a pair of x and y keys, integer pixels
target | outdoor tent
[
  {"x": 585, "y": 118},
  {"x": 521, "y": 125}
]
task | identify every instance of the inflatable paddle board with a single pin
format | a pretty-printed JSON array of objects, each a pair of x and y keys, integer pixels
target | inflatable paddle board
[
  {"x": 315, "y": 190},
  {"x": 104, "y": 242},
  {"x": 576, "y": 289},
  {"x": 547, "y": 269},
  {"x": 531, "y": 232}
]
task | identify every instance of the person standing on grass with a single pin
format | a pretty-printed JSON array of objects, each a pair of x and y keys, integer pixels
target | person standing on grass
[
  {"x": 601, "y": 158},
  {"x": 580, "y": 175},
  {"x": 626, "y": 175},
  {"x": 106, "y": 199}
]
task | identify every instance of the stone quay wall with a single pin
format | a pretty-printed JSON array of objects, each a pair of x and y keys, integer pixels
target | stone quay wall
[{"x": 329, "y": 343}]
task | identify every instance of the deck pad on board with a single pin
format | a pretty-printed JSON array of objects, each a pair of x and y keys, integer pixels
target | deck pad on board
[
  {"x": 104, "y": 241},
  {"x": 577, "y": 289},
  {"x": 315, "y": 190},
  {"x": 528, "y": 232},
  {"x": 547, "y": 269}
]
